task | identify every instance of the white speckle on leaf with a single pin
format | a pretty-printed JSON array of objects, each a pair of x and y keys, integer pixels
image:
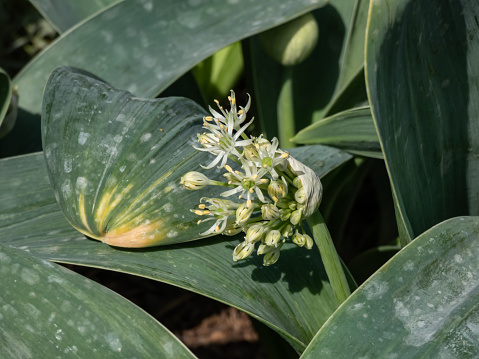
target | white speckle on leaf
[
  {"x": 81, "y": 183},
  {"x": 122, "y": 168},
  {"x": 409, "y": 265},
  {"x": 375, "y": 289},
  {"x": 29, "y": 276},
  {"x": 458, "y": 258},
  {"x": 145, "y": 137},
  {"x": 67, "y": 165},
  {"x": 82, "y": 137},
  {"x": 59, "y": 334},
  {"x": 114, "y": 342},
  {"x": 172, "y": 234},
  {"x": 118, "y": 138},
  {"x": 168, "y": 207}
]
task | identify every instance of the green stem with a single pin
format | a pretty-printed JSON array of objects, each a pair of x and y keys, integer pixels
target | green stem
[
  {"x": 329, "y": 256},
  {"x": 285, "y": 109}
]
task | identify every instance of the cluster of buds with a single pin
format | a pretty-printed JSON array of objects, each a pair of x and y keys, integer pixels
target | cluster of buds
[{"x": 276, "y": 192}]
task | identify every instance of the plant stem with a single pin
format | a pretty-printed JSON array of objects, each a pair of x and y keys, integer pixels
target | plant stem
[
  {"x": 285, "y": 107},
  {"x": 329, "y": 256}
]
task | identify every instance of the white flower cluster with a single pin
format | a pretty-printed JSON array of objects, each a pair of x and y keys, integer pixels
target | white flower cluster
[{"x": 278, "y": 191}]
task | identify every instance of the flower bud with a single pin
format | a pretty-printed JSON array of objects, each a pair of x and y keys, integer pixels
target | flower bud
[
  {"x": 255, "y": 233},
  {"x": 308, "y": 241},
  {"x": 194, "y": 180},
  {"x": 287, "y": 230},
  {"x": 278, "y": 189},
  {"x": 243, "y": 213},
  {"x": 271, "y": 257},
  {"x": 284, "y": 214},
  {"x": 291, "y": 43},
  {"x": 297, "y": 182},
  {"x": 269, "y": 212},
  {"x": 242, "y": 251},
  {"x": 273, "y": 238},
  {"x": 292, "y": 205},
  {"x": 232, "y": 229},
  {"x": 264, "y": 248},
  {"x": 299, "y": 239},
  {"x": 300, "y": 195},
  {"x": 296, "y": 217}
]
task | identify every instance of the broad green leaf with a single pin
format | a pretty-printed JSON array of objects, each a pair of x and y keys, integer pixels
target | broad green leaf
[
  {"x": 293, "y": 296},
  {"x": 66, "y": 13},
  {"x": 144, "y": 46},
  {"x": 115, "y": 161},
  {"x": 218, "y": 74},
  {"x": 421, "y": 71},
  {"x": 48, "y": 311},
  {"x": 352, "y": 60},
  {"x": 422, "y": 303},
  {"x": 352, "y": 130},
  {"x": 5, "y": 94}
]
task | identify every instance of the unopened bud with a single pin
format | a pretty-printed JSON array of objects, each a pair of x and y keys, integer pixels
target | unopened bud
[
  {"x": 271, "y": 257},
  {"x": 287, "y": 230},
  {"x": 264, "y": 248},
  {"x": 242, "y": 251},
  {"x": 194, "y": 180},
  {"x": 284, "y": 214},
  {"x": 269, "y": 212},
  {"x": 297, "y": 182},
  {"x": 255, "y": 233},
  {"x": 243, "y": 213},
  {"x": 232, "y": 229},
  {"x": 300, "y": 196},
  {"x": 278, "y": 189},
  {"x": 292, "y": 42},
  {"x": 299, "y": 239},
  {"x": 273, "y": 238},
  {"x": 296, "y": 217},
  {"x": 308, "y": 241}
]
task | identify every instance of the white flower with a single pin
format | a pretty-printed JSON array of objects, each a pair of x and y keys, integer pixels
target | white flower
[
  {"x": 231, "y": 117},
  {"x": 247, "y": 182},
  {"x": 219, "y": 210},
  {"x": 269, "y": 155}
]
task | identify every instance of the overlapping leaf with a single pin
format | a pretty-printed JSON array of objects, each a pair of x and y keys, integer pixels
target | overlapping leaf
[
  {"x": 48, "y": 311},
  {"x": 422, "y": 303},
  {"x": 144, "y": 46},
  {"x": 421, "y": 62},
  {"x": 352, "y": 130}
]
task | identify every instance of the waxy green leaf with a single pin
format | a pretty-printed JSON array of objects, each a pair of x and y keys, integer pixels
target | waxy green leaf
[
  {"x": 422, "y": 303},
  {"x": 352, "y": 130},
  {"x": 421, "y": 71},
  {"x": 48, "y": 311}
]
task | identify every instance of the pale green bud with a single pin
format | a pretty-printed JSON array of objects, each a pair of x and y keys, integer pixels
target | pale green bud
[
  {"x": 273, "y": 238},
  {"x": 308, "y": 241},
  {"x": 278, "y": 189},
  {"x": 242, "y": 251},
  {"x": 296, "y": 217},
  {"x": 232, "y": 229},
  {"x": 194, "y": 180},
  {"x": 284, "y": 214},
  {"x": 264, "y": 248},
  {"x": 269, "y": 212},
  {"x": 283, "y": 203},
  {"x": 291, "y": 43},
  {"x": 271, "y": 257},
  {"x": 300, "y": 195},
  {"x": 297, "y": 182},
  {"x": 287, "y": 230},
  {"x": 250, "y": 153},
  {"x": 299, "y": 239},
  {"x": 243, "y": 213},
  {"x": 292, "y": 205},
  {"x": 255, "y": 233}
]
